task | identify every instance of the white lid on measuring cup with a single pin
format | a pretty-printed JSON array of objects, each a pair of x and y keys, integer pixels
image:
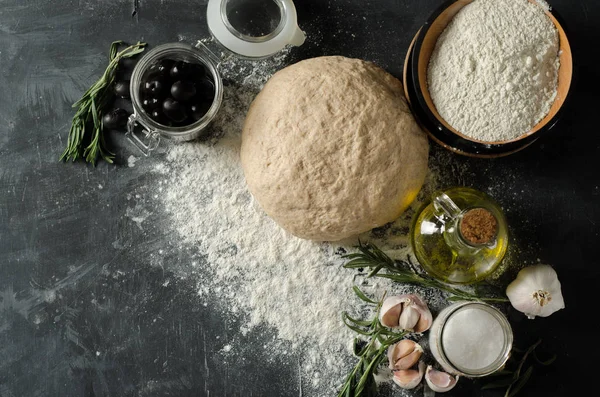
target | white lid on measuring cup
[{"x": 254, "y": 28}]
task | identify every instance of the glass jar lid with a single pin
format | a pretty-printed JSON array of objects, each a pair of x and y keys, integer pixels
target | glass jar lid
[{"x": 254, "y": 28}]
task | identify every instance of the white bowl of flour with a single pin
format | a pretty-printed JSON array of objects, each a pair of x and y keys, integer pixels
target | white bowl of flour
[{"x": 489, "y": 76}]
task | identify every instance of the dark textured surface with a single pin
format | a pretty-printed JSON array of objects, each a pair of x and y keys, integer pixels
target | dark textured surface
[{"x": 86, "y": 310}]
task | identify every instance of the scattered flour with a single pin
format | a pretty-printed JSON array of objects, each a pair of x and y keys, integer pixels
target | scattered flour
[
  {"x": 131, "y": 161},
  {"x": 494, "y": 70},
  {"x": 259, "y": 272},
  {"x": 137, "y": 214}
]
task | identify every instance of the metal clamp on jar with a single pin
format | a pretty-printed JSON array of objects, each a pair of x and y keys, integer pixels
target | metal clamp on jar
[{"x": 249, "y": 29}]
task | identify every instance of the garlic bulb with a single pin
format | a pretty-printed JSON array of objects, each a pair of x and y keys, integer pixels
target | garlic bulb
[
  {"x": 409, "y": 378},
  {"x": 536, "y": 291},
  {"x": 404, "y": 354},
  {"x": 439, "y": 381},
  {"x": 408, "y": 312}
]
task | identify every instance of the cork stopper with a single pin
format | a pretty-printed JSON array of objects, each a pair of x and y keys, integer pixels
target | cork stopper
[{"x": 478, "y": 226}]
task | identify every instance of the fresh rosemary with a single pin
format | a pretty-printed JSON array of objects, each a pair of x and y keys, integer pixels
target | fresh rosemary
[
  {"x": 360, "y": 382},
  {"x": 86, "y": 127},
  {"x": 515, "y": 379},
  {"x": 371, "y": 257}
]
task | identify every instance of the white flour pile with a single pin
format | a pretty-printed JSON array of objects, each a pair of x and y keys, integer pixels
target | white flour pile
[
  {"x": 257, "y": 271},
  {"x": 493, "y": 73}
]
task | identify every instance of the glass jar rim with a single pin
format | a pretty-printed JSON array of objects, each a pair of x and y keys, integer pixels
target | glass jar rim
[
  {"x": 283, "y": 10},
  {"x": 499, "y": 362}
]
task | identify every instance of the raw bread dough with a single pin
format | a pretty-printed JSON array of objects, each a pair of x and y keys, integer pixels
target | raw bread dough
[{"x": 330, "y": 148}]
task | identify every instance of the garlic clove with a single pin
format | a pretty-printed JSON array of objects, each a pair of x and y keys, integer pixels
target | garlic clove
[
  {"x": 407, "y": 311},
  {"x": 439, "y": 381},
  {"x": 399, "y": 350},
  {"x": 404, "y": 354},
  {"x": 409, "y": 378},
  {"x": 425, "y": 320},
  {"x": 390, "y": 311},
  {"x": 536, "y": 291},
  {"x": 409, "y": 317}
]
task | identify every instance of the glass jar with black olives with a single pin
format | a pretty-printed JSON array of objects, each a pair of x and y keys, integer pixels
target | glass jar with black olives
[{"x": 176, "y": 91}]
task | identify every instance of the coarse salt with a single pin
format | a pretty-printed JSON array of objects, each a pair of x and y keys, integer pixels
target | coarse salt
[{"x": 473, "y": 339}]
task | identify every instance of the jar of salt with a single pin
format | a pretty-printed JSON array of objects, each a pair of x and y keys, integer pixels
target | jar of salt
[{"x": 471, "y": 339}]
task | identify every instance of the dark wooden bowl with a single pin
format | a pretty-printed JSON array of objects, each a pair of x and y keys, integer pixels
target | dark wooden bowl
[{"x": 415, "y": 74}]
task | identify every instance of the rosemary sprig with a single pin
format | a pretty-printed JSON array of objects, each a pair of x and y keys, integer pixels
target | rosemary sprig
[
  {"x": 373, "y": 258},
  {"x": 87, "y": 122},
  {"x": 515, "y": 380},
  {"x": 360, "y": 381}
]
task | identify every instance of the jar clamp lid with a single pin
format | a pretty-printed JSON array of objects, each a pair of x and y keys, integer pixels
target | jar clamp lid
[
  {"x": 250, "y": 29},
  {"x": 254, "y": 28}
]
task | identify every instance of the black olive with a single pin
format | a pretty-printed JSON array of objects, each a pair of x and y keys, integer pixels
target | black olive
[
  {"x": 181, "y": 69},
  {"x": 164, "y": 66},
  {"x": 198, "y": 110},
  {"x": 154, "y": 87},
  {"x": 198, "y": 72},
  {"x": 161, "y": 68},
  {"x": 114, "y": 119},
  {"x": 183, "y": 90},
  {"x": 186, "y": 121},
  {"x": 122, "y": 88},
  {"x": 125, "y": 68},
  {"x": 152, "y": 70},
  {"x": 174, "y": 110},
  {"x": 127, "y": 63},
  {"x": 151, "y": 103},
  {"x": 206, "y": 89},
  {"x": 158, "y": 116},
  {"x": 151, "y": 75}
]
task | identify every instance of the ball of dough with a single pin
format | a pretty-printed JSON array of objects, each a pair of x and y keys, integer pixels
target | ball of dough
[{"x": 330, "y": 148}]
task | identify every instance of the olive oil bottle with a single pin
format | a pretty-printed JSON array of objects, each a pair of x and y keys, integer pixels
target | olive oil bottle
[{"x": 459, "y": 236}]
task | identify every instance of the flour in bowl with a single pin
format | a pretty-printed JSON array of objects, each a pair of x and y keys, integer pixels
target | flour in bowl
[{"x": 493, "y": 73}]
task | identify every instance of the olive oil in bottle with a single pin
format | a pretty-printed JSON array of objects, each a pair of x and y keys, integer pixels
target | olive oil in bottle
[{"x": 460, "y": 236}]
